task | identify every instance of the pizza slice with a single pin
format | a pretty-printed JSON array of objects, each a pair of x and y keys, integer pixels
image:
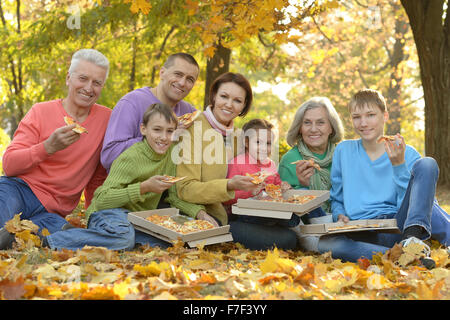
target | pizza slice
[
  {"x": 386, "y": 138},
  {"x": 258, "y": 177},
  {"x": 310, "y": 162},
  {"x": 172, "y": 179},
  {"x": 188, "y": 118},
  {"x": 274, "y": 191},
  {"x": 183, "y": 228},
  {"x": 298, "y": 199},
  {"x": 78, "y": 129}
]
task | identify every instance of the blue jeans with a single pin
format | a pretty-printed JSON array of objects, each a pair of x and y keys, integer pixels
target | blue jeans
[
  {"x": 259, "y": 233},
  {"x": 108, "y": 228},
  {"x": 16, "y": 197},
  {"x": 419, "y": 207}
]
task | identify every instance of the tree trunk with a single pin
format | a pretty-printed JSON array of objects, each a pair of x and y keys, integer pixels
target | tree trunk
[
  {"x": 217, "y": 65},
  {"x": 432, "y": 38},
  {"x": 394, "y": 90}
]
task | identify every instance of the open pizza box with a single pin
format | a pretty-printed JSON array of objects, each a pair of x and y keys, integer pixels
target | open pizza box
[
  {"x": 320, "y": 229},
  {"x": 206, "y": 237},
  {"x": 281, "y": 210}
]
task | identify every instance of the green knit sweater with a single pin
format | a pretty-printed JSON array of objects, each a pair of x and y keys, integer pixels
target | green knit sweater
[{"x": 121, "y": 188}]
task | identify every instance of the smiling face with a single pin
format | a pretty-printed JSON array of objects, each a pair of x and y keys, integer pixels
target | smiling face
[
  {"x": 158, "y": 133},
  {"x": 228, "y": 102},
  {"x": 177, "y": 81},
  {"x": 259, "y": 144},
  {"x": 368, "y": 122},
  {"x": 85, "y": 84},
  {"x": 316, "y": 129}
]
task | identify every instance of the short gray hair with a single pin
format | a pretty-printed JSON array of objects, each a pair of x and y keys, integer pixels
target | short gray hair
[
  {"x": 90, "y": 55},
  {"x": 316, "y": 102}
]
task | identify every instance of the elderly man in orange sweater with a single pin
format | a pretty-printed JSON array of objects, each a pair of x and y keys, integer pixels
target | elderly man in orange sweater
[{"x": 49, "y": 162}]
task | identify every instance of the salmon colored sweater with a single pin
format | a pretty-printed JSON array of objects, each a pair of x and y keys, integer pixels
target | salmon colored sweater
[{"x": 57, "y": 180}]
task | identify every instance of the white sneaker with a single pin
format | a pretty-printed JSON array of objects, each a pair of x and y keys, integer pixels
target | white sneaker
[{"x": 426, "y": 261}]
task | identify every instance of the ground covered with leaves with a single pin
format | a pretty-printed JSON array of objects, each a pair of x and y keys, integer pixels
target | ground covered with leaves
[{"x": 225, "y": 271}]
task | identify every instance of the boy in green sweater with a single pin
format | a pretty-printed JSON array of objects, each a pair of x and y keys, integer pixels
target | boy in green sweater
[{"x": 135, "y": 183}]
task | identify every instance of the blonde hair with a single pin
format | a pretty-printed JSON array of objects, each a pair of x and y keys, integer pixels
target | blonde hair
[{"x": 336, "y": 136}]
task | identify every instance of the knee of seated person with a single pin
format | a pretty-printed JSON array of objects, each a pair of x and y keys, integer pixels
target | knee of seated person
[
  {"x": 126, "y": 239},
  {"x": 426, "y": 165},
  {"x": 328, "y": 243}
]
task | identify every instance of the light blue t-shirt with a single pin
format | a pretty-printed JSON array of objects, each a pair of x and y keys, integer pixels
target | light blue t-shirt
[{"x": 366, "y": 189}]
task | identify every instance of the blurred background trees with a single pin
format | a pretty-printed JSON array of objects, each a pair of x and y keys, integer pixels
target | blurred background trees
[{"x": 290, "y": 51}]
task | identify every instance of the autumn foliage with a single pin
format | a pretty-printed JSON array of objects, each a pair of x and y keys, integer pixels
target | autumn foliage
[{"x": 225, "y": 271}]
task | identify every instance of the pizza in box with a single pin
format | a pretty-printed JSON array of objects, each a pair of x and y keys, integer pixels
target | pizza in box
[{"x": 183, "y": 228}]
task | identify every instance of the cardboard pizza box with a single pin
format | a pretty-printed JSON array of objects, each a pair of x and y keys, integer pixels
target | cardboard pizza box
[
  {"x": 261, "y": 213},
  {"x": 299, "y": 209},
  {"x": 211, "y": 236},
  {"x": 382, "y": 225}
]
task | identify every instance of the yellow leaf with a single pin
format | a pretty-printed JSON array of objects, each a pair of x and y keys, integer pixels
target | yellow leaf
[
  {"x": 269, "y": 264},
  {"x": 45, "y": 232},
  {"x": 152, "y": 269},
  {"x": 13, "y": 225},
  {"x": 165, "y": 296},
  {"x": 209, "y": 51},
  {"x": 377, "y": 282},
  {"x": 192, "y": 7},
  {"x": 26, "y": 237},
  {"x": 441, "y": 257},
  {"x": 123, "y": 288},
  {"x": 142, "y": 5}
]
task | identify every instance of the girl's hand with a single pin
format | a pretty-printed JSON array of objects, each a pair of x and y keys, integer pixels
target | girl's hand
[
  {"x": 343, "y": 218},
  {"x": 285, "y": 186},
  {"x": 304, "y": 173},
  {"x": 396, "y": 150},
  {"x": 259, "y": 188},
  {"x": 202, "y": 215},
  {"x": 239, "y": 182},
  {"x": 156, "y": 184}
]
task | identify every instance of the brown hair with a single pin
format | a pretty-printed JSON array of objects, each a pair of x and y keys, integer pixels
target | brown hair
[
  {"x": 162, "y": 109},
  {"x": 185, "y": 56},
  {"x": 367, "y": 97},
  {"x": 257, "y": 124},
  {"x": 238, "y": 79}
]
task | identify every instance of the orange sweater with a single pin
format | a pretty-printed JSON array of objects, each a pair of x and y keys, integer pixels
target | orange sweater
[{"x": 57, "y": 180}]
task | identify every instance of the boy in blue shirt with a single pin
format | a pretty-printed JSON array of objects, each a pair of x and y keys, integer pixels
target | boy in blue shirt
[{"x": 374, "y": 179}]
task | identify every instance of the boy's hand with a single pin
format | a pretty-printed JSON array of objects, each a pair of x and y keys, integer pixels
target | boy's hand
[
  {"x": 396, "y": 150},
  {"x": 343, "y": 218},
  {"x": 304, "y": 172},
  {"x": 202, "y": 215},
  {"x": 156, "y": 184}
]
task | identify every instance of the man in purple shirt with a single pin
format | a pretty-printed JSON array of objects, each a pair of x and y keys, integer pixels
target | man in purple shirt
[{"x": 177, "y": 78}]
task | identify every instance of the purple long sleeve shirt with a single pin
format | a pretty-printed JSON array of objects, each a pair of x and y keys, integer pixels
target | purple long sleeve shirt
[{"x": 123, "y": 126}]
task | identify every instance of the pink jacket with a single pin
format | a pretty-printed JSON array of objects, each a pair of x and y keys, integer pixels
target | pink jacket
[{"x": 243, "y": 164}]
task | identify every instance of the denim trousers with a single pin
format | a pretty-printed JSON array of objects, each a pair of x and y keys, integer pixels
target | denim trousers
[
  {"x": 260, "y": 233},
  {"x": 419, "y": 207},
  {"x": 17, "y": 197},
  {"x": 108, "y": 228}
]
